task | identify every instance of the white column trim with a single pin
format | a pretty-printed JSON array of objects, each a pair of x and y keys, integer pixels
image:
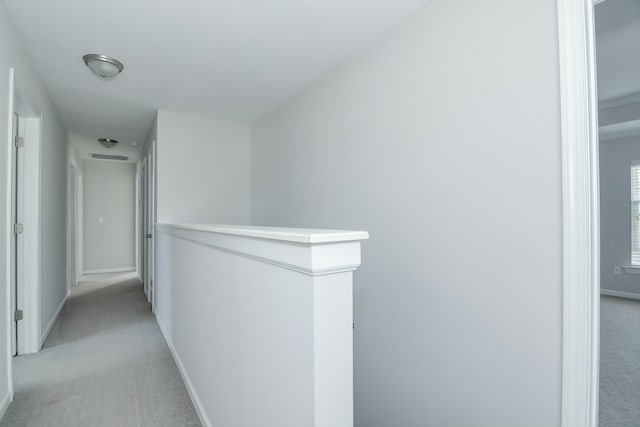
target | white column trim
[{"x": 581, "y": 256}]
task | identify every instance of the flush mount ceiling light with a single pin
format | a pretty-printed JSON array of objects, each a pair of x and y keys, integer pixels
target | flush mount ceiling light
[
  {"x": 107, "y": 143},
  {"x": 103, "y": 66}
]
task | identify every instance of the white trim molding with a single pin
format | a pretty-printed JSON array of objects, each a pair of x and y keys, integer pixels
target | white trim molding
[
  {"x": 108, "y": 270},
  {"x": 619, "y": 294},
  {"x": 195, "y": 398},
  {"x": 581, "y": 258},
  {"x": 265, "y": 244}
]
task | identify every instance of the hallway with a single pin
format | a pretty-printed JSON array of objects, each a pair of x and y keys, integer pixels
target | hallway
[{"x": 105, "y": 363}]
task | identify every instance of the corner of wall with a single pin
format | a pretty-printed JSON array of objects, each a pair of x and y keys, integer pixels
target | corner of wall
[{"x": 5, "y": 401}]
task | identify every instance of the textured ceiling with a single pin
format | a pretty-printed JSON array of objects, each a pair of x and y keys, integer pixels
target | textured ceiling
[{"x": 233, "y": 59}]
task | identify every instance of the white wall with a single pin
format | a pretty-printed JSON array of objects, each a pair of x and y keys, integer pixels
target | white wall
[
  {"x": 202, "y": 170},
  {"x": 108, "y": 194},
  {"x": 443, "y": 141},
  {"x": 616, "y": 157},
  {"x": 53, "y": 185},
  {"x": 53, "y": 214}
]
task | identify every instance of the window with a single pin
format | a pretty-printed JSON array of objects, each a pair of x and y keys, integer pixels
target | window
[{"x": 635, "y": 214}]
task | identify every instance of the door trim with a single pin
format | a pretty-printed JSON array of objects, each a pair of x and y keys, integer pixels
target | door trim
[
  {"x": 581, "y": 246},
  {"x": 72, "y": 224},
  {"x": 143, "y": 224},
  {"x": 152, "y": 208}
]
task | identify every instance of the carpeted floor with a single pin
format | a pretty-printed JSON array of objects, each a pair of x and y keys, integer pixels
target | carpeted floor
[
  {"x": 105, "y": 364},
  {"x": 619, "y": 362}
]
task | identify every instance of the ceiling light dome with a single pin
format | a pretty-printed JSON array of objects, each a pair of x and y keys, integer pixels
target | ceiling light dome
[
  {"x": 107, "y": 143},
  {"x": 104, "y": 67}
]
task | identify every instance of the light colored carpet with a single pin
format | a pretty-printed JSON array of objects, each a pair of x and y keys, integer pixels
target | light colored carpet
[
  {"x": 104, "y": 364},
  {"x": 619, "y": 362}
]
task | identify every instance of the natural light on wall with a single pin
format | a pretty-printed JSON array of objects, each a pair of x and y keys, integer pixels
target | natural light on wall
[{"x": 635, "y": 213}]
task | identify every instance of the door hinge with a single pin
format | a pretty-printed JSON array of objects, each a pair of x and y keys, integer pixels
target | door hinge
[
  {"x": 19, "y": 141},
  {"x": 18, "y": 228},
  {"x": 18, "y": 315}
]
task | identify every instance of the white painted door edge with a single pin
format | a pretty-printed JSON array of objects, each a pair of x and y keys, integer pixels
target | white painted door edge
[{"x": 581, "y": 258}]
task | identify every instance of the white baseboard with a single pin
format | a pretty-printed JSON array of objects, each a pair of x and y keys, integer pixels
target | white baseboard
[
  {"x": 53, "y": 320},
  {"x": 109, "y": 270},
  {"x": 620, "y": 294},
  {"x": 4, "y": 404},
  {"x": 197, "y": 403}
]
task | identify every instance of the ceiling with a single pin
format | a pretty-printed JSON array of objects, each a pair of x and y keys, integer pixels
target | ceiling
[
  {"x": 618, "y": 48},
  {"x": 232, "y": 59}
]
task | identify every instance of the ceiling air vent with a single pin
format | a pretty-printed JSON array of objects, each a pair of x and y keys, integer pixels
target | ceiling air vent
[{"x": 108, "y": 157}]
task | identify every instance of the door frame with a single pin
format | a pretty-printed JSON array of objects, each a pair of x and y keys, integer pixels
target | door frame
[
  {"x": 580, "y": 212},
  {"x": 151, "y": 213},
  {"x": 143, "y": 224},
  {"x": 147, "y": 218},
  {"x": 72, "y": 224}
]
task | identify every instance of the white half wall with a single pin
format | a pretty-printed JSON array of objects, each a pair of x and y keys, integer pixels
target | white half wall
[
  {"x": 259, "y": 321},
  {"x": 109, "y": 199},
  {"x": 443, "y": 141},
  {"x": 53, "y": 188},
  {"x": 202, "y": 170}
]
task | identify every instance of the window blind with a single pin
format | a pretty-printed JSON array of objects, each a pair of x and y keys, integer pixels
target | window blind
[{"x": 635, "y": 214}]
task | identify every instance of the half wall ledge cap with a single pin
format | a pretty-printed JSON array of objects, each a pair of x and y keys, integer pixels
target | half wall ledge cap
[{"x": 298, "y": 235}]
